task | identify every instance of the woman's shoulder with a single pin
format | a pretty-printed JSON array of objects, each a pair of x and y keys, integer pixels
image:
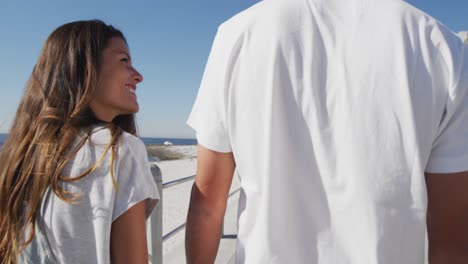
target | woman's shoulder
[
  {"x": 131, "y": 141},
  {"x": 127, "y": 144},
  {"x": 102, "y": 135},
  {"x": 130, "y": 144}
]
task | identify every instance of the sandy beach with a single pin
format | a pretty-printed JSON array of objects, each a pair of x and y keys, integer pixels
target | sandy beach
[{"x": 177, "y": 162}]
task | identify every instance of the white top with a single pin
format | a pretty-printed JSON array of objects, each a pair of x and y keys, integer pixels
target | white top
[
  {"x": 80, "y": 233},
  {"x": 334, "y": 110}
]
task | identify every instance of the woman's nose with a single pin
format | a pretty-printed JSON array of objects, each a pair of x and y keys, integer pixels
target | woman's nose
[{"x": 137, "y": 76}]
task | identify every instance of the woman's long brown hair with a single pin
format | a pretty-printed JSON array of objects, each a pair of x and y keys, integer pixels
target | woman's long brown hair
[{"x": 53, "y": 112}]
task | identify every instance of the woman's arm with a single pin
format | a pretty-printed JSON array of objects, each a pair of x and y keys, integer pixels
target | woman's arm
[{"x": 128, "y": 236}]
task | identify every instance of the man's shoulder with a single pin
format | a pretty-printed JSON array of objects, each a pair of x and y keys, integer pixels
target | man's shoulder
[
  {"x": 405, "y": 13},
  {"x": 271, "y": 13}
]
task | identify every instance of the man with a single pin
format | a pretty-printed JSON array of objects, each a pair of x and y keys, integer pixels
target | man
[{"x": 347, "y": 123}]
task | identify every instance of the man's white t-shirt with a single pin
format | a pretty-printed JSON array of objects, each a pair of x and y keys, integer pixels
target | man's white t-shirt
[
  {"x": 80, "y": 232},
  {"x": 334, "y": 110}
]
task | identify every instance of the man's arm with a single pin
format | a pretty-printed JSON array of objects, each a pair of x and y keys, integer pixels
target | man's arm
[
  {"x": 210, "y": 192},
  {"x": 447, "y": 217}
]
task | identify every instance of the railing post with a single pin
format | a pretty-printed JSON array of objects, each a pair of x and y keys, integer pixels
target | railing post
[{"x": 155, "y": 256}]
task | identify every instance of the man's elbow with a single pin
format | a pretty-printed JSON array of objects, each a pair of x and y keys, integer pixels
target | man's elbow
[{"x": 206, "y": 205}]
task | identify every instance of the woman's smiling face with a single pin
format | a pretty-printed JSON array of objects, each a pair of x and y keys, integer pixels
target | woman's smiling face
[{"x": 117, "y": 83}]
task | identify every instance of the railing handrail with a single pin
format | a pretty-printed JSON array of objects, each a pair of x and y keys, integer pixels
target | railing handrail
[{"x": 178, "y": 181}]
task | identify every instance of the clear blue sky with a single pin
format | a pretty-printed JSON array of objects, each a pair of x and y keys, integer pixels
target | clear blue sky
[{"x": 169, "y": 40}]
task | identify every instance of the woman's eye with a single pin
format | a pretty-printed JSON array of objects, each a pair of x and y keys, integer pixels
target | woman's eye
[{"x": 124, "y": 60}]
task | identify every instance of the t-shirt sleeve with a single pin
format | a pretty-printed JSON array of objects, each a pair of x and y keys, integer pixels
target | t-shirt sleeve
[
  {"x": 209, "y": 116},
  {"x": 450, "y": 149},
  {"x": 134, "y": 179}
]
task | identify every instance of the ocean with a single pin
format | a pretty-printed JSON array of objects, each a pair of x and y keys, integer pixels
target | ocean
[{"x": 147, "y": 140}]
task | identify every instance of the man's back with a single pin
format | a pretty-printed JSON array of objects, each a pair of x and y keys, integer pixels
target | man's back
[{"x": 334, "y": 110}]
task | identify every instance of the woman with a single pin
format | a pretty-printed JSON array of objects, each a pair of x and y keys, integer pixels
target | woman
[{"x": 75, "y": 182}]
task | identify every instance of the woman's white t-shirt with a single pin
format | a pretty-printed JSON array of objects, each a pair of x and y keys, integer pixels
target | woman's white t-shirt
[{"x": 80, "y": 232}]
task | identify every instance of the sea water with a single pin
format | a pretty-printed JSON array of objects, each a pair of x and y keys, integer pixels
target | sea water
[{"x": 147, "y": 140}]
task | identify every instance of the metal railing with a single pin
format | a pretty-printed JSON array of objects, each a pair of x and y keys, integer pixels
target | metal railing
[{"x": 179, "y": 181}]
